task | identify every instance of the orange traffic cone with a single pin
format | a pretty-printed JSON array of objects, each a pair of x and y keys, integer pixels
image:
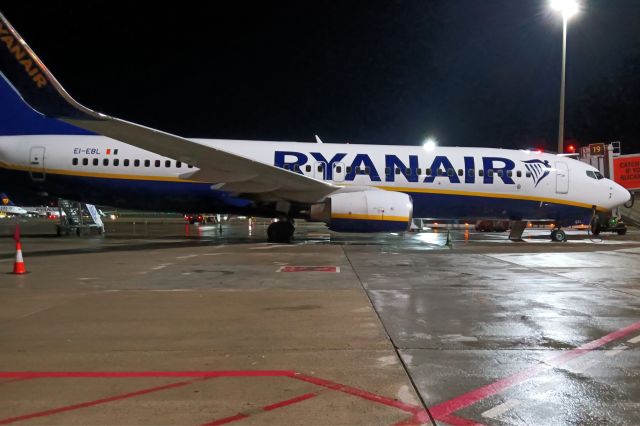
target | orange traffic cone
[{"x": 18, "y": 266}]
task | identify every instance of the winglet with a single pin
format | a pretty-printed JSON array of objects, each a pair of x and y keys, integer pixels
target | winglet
[
  {"x": 318, "y": 140},
  {"x": 31, "y": 79}
]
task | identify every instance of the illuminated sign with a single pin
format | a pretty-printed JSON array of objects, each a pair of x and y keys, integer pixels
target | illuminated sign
[
  {"x": 626, "y": 171},
  {"x": 597, "y": 149}
]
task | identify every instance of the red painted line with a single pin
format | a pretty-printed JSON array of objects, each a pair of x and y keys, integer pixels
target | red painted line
[
  {"x": 227, "y": 420},
  {"x": 290, "y": 401},
  {"x": 359, "y": 393},
  {"x": 451, "y": 406},
  {"x": 140, "y": 374},
  {"x": 281, "y": 404},
  {"x": 92, "y": 403}
]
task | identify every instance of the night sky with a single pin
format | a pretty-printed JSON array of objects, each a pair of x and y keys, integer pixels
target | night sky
[{"x": 468, "y": 72}]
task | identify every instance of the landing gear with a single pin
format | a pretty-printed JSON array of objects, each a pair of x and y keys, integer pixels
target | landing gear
[
  {"x": 280, "y": 232},
  {"x": 558, "y": 236}
]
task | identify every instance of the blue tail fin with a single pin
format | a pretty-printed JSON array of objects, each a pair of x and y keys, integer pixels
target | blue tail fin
[
  {"x": 5, "y": 201},
  {"x": 18, "y": 118}
]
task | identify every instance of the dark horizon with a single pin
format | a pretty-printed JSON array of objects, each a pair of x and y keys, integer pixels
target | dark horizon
[{"x": 468, "y": 73}]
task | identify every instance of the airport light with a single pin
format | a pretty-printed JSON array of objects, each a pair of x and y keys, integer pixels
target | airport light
[
  {"x": 567, "y": 8},
  {"x": 429, "y": 144}
]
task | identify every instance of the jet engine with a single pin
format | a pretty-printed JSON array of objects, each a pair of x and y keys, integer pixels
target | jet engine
[{"x": 365, "y": 211}]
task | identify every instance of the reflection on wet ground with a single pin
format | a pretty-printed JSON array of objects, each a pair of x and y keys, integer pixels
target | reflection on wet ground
[{"x": 489, "y": 331}]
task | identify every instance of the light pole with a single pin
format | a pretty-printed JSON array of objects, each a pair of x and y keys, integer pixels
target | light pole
[{"x": 567, "y": 8}]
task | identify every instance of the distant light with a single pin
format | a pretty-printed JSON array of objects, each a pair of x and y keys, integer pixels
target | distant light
[
  {"x": 539, "y": 151},
  {"x": 567, "y": 8},
  {"x": 571, "y": 148},
  {"x": 429, "y": 144}
]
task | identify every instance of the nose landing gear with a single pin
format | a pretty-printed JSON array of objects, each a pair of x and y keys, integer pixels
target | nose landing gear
[{"x": 558, "y": 235}]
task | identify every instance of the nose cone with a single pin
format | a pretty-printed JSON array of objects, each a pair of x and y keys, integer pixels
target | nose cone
[{"x": 620, "y": 194}]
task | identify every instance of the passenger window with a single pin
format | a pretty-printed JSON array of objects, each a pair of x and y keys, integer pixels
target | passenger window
[
  {"x": 308, "y": 168},
  {"x": 105, "y": 162},
  {"x": 509, "y": 173},
  {"x": 460, "y": 172},
  {"x": 167, "y": 163},
  {"x": 95, "y": 161},
  {"x": 419, "y": 171},
  {"x": 286, "y": 167},
  {"x": 490, "y": 173},
  {"x": 147, "y": 163},
  {"x": 157, "y": 163},
  {"x": 470, "y": 172},
  {"x": 190, "y": 166},
  {"x": 397, "y": 171},
  {"x": 481, "y": 172},
  {"x": 387, "y": 171},
  {"x": 116, "y": 162},
  {"x": 367, "y": 170},
  {"x": 136, "y": 163},
  {"x": 85, "y": 161},
  {"x": 528, "y": 174},
  {"x": 74, "y": 162},
  {"x": 348, "y": 169},
  {"x": 320, "y": 167},
  {"x": 440, "y": 172},
  {"x": 450, "y": 172},
  {"x": 408, "y": 171},
  {"x": 178, "y": 164},
  {"x": 519, "y": 173},
  {"x": 500, "y": 173},
  {"x": 338, "y": 169},
  {"x": 428, "y": 172},
  {"x": 126, "y": 162}
]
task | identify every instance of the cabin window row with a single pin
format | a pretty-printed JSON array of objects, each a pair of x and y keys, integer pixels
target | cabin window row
[
  {"x": 126, "y": 162},
  {"x": 410, "y": 172}
]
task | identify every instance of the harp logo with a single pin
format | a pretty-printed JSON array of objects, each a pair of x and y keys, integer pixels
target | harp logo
[{"x": 539, "y": 169}]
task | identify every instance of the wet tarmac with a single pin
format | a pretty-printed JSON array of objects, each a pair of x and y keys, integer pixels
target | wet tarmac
[{"x": 159, "y": 322}]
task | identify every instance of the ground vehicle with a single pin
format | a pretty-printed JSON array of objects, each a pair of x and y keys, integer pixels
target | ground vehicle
[{"x": 608, "y": 224}]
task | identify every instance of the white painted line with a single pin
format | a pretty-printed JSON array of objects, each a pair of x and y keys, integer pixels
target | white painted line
[
  {"x": 584, "y": 366},
  {"x": 187, "y": 256},
  {"x": 164, "y": 265},
  {"x": 634, "y": 340},
  {"x": 501, "y": 409},
  {"x": 615, "y": 351}
]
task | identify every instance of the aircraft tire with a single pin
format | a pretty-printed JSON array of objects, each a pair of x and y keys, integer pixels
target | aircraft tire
[
  {"x": 280, "y": 232},
  {"x": 558, "y": 235}
]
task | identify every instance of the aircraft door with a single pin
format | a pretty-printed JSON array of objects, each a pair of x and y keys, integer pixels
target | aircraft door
[
  {"x": 36, "y": 163},
  {"x": 562, "y": 178},
  {"x": 338, "y": 172},
  {"x": 319, "y": 170}
]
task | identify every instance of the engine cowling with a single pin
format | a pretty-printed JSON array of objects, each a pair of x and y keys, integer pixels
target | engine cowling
[{"x": 365, "y": 211}]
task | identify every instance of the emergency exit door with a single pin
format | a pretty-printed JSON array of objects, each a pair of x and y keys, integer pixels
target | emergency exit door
[
  {"x": 562, "y": 178},
  {"x": 36, "y": 163}
]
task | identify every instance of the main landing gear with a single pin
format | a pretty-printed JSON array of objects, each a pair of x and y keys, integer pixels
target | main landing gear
[
  {"x": 281, "y": 231},
  {"x": 558, "y": 235}
]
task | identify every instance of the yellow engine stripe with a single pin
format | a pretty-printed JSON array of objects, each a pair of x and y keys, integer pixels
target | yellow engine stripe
[{"x": 369, "y": 217}]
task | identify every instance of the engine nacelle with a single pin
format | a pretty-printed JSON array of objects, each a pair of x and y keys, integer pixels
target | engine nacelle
[{"x": 365, "y": 211}]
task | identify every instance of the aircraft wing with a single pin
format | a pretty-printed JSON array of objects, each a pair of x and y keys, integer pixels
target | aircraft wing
[{"x": 41, "y": 91}]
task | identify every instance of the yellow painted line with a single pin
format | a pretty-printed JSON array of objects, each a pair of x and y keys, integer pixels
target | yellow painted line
[
  {"x": 369, "y": 217},
  {"x": 491, "y": 195}
]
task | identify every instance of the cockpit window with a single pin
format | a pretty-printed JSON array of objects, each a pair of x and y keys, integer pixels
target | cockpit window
[{"x": 594, "y": 175}]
